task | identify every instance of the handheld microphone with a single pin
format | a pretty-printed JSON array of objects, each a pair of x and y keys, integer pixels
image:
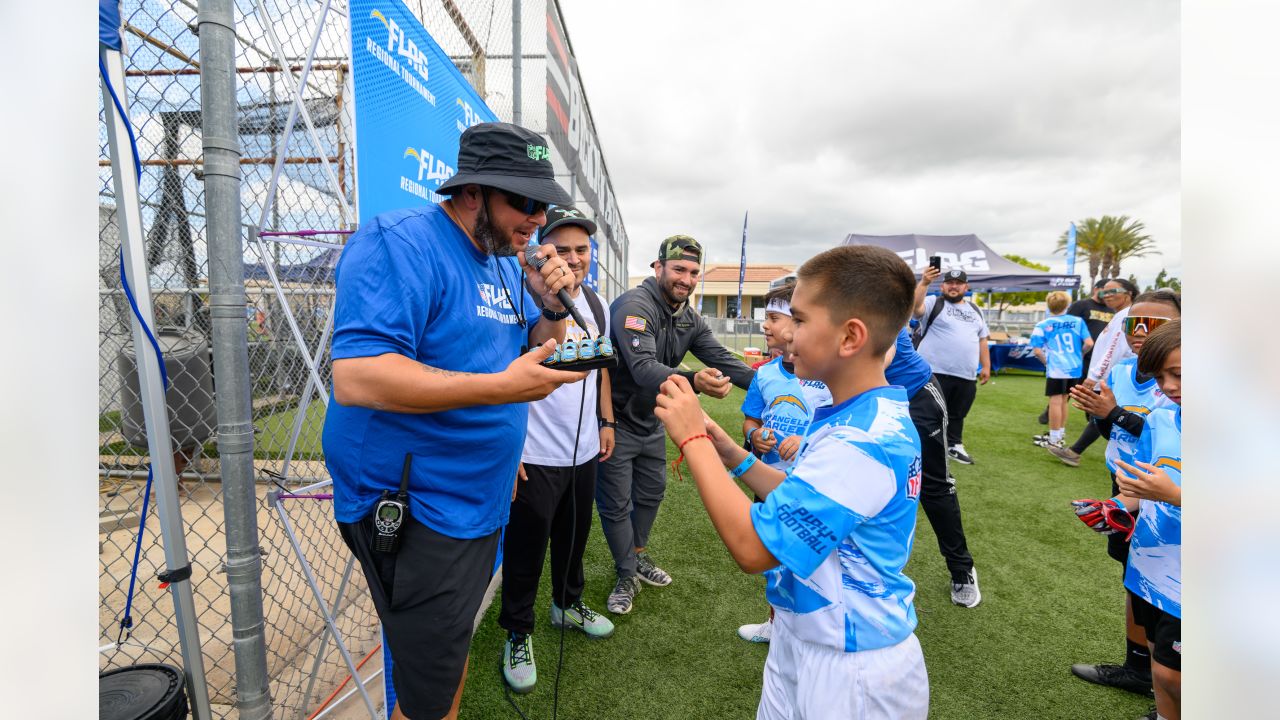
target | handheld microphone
[{"x": 536, "y": 261}]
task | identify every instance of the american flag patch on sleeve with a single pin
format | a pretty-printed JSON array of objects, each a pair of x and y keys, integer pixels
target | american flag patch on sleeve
[{"x": 634, "y": 322}]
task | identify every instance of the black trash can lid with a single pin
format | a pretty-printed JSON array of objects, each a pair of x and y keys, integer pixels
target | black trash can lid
[{"x": 141, "y": 692}]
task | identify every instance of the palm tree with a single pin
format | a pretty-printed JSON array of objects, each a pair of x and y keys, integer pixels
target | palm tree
[{"x": 1107, "y": 241}]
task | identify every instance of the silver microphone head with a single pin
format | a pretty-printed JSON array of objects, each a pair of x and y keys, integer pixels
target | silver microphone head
[{"x": 532, "y": 257}]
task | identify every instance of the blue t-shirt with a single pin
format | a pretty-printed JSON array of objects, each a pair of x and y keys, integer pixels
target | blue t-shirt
[
  {"x": 1154, "y": 572},
  {"x": 410, "y": 282},
  {"x": 908, "y": 367},
  {"x": 1135, "y": 396},
  {"x": 842, "y": 525},
  {"x": 1062, "y": 337},
  {"x": 783, "y": 403}
]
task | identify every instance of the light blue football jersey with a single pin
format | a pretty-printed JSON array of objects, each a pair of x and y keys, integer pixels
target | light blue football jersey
[
  {"x": 842, "y": 525},
  {"x": 1133, "y": 396},
  {"x": 1062, "y": 337},
  {"x": 1154, "y": 572},
  {"x": 783, "y": 403}
]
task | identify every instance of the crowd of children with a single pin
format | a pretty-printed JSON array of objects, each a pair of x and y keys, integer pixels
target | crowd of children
[
  {"x": 1137, "y": 407},
  {"x": 820, "y": 414}
]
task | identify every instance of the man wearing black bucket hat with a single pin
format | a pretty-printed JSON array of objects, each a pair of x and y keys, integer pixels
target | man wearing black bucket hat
[
  {"x": 653, "y": 327},
  {"x": 431, "y": 376}
]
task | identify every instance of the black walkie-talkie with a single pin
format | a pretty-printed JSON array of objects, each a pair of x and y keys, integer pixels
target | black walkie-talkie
[{"x": 390, "y": 513}]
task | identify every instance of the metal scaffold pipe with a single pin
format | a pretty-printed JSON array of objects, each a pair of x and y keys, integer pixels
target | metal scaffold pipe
[
  {"x": 231, "y": 353},
  {"x": 517, "y": 65}
]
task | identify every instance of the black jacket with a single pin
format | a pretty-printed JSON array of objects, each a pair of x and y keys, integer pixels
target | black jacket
[{"x": 648, "y": 356}]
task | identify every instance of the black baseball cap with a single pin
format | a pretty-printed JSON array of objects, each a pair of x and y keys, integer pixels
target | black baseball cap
[
  {"x": 562, "y": 215},
  {"x": 957, "y": 275},
  {"x": 507, "y": 157},
  {"x": 679, "y": 247}
]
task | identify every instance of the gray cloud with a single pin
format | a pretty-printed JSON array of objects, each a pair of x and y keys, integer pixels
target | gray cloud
[{"x": 1008, "y": 120}]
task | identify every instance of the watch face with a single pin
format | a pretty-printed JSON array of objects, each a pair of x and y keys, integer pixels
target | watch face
[{"x": 389, "y": 512}]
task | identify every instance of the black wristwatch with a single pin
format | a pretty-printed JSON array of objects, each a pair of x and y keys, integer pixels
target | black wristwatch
[
  {"x": 608, "y": 424},
  {"x": 554, "y": 316}
]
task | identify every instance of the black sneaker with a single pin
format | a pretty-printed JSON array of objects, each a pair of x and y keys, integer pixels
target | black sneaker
[
  {"x": 958, "y": 454},
  {"x": 1116, "y": 676}
]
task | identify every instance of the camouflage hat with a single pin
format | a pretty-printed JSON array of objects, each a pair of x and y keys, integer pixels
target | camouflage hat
[{"x": 680, "y": 247}]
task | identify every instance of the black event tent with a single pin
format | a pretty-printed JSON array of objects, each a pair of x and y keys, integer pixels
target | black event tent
[{"x": 987, "y": 270}]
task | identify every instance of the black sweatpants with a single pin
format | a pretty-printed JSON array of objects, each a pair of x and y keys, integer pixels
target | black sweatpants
[
  {"x": 554, "y": 504},
  {"x": 958, "y": 394},
  {"x": 938, "y": 490}
]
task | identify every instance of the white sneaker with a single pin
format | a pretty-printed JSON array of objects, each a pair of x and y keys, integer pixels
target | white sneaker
[
  {"x": 967, "y": 594},
  {"x": 757, "y": 633}
]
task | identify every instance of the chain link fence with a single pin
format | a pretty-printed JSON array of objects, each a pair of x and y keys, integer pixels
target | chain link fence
[{"x": 287, "y": 323}]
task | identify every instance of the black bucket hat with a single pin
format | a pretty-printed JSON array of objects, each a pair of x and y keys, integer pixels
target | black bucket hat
[
  {"x": 508, "y": 157},
  {"x": 562, "y": 215}
]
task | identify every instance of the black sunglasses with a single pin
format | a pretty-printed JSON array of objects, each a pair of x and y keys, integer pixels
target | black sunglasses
[{"x": 526, "y": 205}]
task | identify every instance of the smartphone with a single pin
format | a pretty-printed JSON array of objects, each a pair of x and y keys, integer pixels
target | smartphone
[{"x": 935, "y": 262}]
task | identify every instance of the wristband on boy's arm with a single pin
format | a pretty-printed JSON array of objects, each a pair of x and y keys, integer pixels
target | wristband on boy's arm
[{"x": 744, "y": 466}]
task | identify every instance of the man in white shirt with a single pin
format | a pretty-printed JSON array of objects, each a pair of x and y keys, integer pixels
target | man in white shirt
[
  {"x": 954, "y": 341},
  {"x": 566, "y": 439}
]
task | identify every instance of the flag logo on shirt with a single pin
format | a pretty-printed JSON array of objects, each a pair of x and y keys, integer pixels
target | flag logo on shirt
[
  {"x": 914, "y": 478},
  {"x": 634, "y": 322}
]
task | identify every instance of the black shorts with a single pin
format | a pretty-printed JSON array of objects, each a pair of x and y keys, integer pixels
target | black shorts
[
  {"x": 1059, "y": 386},
  {"x": 1164, "y": 632},
  {"x": 427, "y": 595}
]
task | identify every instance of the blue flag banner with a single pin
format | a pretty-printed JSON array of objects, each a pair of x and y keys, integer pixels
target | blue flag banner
[
  {"x": 742, "y": 265},
  {"x": 411, "y": 106},
  {"x": 593, "y": 270},
  {"x": 1071, "y": 250}
]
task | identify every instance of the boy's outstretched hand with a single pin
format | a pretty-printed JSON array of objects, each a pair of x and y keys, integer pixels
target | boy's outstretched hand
[
  {"x": 678, "y": 409},
  {"x": 1098, "y": 403},
  {"x": 1147, "y": 482}
]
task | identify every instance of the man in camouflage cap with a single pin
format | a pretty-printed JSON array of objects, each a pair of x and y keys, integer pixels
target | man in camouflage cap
[{"x": 653, "y": 327}]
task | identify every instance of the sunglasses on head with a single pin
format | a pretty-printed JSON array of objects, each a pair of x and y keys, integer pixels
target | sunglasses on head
[
  {"x": 526, "y": 205},
  {"x": 1142, "y": 324},
  {"x": 1112, "y": 291}
]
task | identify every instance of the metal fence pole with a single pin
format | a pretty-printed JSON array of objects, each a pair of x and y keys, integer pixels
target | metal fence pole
[
  {"x": 221, "y": 146},
  {"x": 516, "y": 62},
  {"x": 150, "y": 385}
]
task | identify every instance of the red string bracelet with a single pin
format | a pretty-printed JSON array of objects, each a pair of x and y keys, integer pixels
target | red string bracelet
[{"x": 675, "y": 464}]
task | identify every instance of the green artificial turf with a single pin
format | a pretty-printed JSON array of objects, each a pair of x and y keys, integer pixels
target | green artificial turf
[{"x": 1051, "y": 597}]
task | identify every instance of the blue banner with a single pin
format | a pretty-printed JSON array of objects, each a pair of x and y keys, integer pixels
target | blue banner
[
  {"x": 742, "y": 267},
  {"x": 411, "y": 106},
  {"x": 1071, "y": 250},
  {"x": 593, "y": 271}
]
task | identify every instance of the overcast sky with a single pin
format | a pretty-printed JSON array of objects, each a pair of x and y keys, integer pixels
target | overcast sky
[{"x": 1001, "y": 118}]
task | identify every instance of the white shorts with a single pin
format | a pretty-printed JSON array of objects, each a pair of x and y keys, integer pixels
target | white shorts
[{"x": 804, "y": 681}]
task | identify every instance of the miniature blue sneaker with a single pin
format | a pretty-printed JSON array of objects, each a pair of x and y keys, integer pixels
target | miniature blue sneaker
[
  {"x": 568, "y": 351},
  {"x": 604, "y": 346},
  {"x": 586, "y": 349}
]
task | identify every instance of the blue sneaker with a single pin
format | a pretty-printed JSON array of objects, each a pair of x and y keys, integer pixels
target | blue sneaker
[{"x": 581, "y": 617}]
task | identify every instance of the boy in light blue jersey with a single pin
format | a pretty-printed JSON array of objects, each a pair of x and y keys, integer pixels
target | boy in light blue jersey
[
  {"x": 1152, "y": 483},
  {"x": 778, "y": 409},
  {"x": 1060, "y": 341},
  {"x": 834, "y": 534},
  {"x": 1119, "y": 407}
]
